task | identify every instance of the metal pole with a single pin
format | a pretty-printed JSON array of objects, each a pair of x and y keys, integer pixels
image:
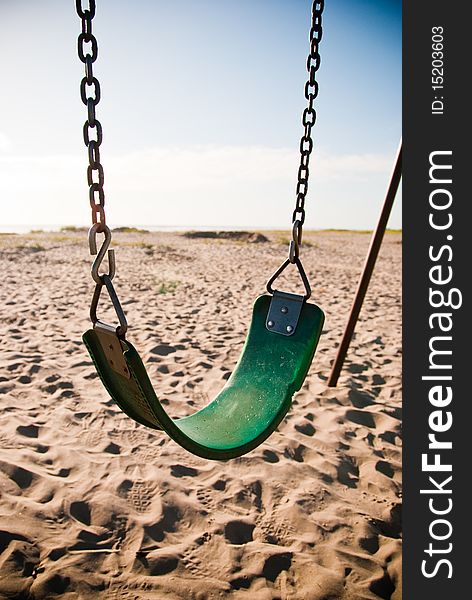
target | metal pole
[{"x": 368, "y": 269}]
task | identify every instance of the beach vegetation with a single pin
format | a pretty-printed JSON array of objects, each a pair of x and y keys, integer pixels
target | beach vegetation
[
  {"x": 32, "y": 248},
  {"x": 166, "y": 287},
  {"x": 129, "y": 230},
  {"x": 73, "y": 229}
]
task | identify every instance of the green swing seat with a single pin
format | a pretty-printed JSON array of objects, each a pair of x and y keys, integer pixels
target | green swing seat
[
  {"x": 284, "y": 331},
  {"x": 250, "y": 406}
]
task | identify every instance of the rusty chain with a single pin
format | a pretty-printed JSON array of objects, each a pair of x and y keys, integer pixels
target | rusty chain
[
  {"x": 87, "y": 48},
  {"x": 308, "y": 120},
  {"x": 90, "y": 94}
]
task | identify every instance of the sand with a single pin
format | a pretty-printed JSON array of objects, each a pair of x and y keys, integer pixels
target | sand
[{"x": 93, "y": 505}]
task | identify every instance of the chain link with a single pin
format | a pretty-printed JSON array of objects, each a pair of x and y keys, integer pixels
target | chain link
[
  {"x": 308, "y": 120},
  {"x": 87, "y": 48},
  {"x": 306, "y": 147}
]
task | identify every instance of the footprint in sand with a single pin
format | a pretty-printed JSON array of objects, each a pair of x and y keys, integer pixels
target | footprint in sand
[
  {"x": 119, "y": 591},
  {"x": 348, "y": 472},
  {"x": 49, "y": 389},
  {"x": 209, "y": 503},
  {"x": 92, "y": 440},
  {"x": 275, "y": 564},
  {"x": 389, "y": 437},
  {"x": 23, "y": 478},
  {"x": 31, "y": 431},
  {"x": 131, "y": 437},
  {"x": 138, "y": 493},
  {"x": 306, "y": 429},
  {"x": 112, "y": 448},
  {"x": 140, "y": 496},
  {"x": 66, "y": 387},
  {"x": 6, "y": 385},
  {"x": 168, "y": 522},
  {"x": 158, "y": 564},
  {"x": 295, "y": 453},
  {"x": 359, "y": 417},
  {"x": 150, "y": 453},
  {"x": 219, "y": 484},
  {"x": 383, "y": 586},
  {"x": 273, "y": 526},
  {"x": 183, "y": 471},
  {"x": 13, "y": 366},
  {"x": 80, "y": 510},
  {"x": 94, "y": 431},
  {"x": 276, "y": 530},
  {"x": 391, "y": 525},
  {"x": 91, "y": 375},
  {"x": 360, "y": 399},
  {"x": 370, "y": 544},
  {"x": 239, "y": 532},
  {"x": 162, "y": 350},
  {"x": 385, "y": 468},
  {"x": 124, "y": 591},
  {"x": 270, "y": 457},
  {"x": 196, "y": 561},
  {"x": 63, "y": 472},
  {"x": 357, "y": 368}
]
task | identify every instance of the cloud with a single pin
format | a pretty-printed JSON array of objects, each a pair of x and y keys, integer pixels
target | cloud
[
  {"x": 195, "y": 185},
  {"x": 215, "y": 165},
  {"x": 354, "y": 166},
  {"x": 5, "y": 143}
]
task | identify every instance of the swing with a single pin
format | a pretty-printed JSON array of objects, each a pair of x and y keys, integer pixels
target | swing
[{"x": 284, "y": 330}]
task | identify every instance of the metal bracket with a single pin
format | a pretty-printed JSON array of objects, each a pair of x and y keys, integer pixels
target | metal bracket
[
  {"x": 284, "y": 312},
  {"x": 112, "y": 348},
  {"x": 301, "y": 271},
  {"x": 106, "y": 281}
]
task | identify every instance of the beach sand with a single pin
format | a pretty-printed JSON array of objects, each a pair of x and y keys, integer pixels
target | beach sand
[{"x": 93, "y": 505}]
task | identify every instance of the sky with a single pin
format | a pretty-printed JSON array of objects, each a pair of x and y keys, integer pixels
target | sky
[{"x": 201, "y": 111}]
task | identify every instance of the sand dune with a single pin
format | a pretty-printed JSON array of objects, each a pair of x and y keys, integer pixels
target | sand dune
[{"x": 93, "y": 505}]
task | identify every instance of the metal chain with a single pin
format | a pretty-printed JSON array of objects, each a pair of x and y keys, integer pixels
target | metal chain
[
  {"x": 308, "y": 120},
  {"x": 87, "y": 48}
]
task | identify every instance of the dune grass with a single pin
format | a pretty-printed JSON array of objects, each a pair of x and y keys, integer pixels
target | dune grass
[
  {"x": 130, "y": 230},
  {"x": 166, "y": 287}
]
